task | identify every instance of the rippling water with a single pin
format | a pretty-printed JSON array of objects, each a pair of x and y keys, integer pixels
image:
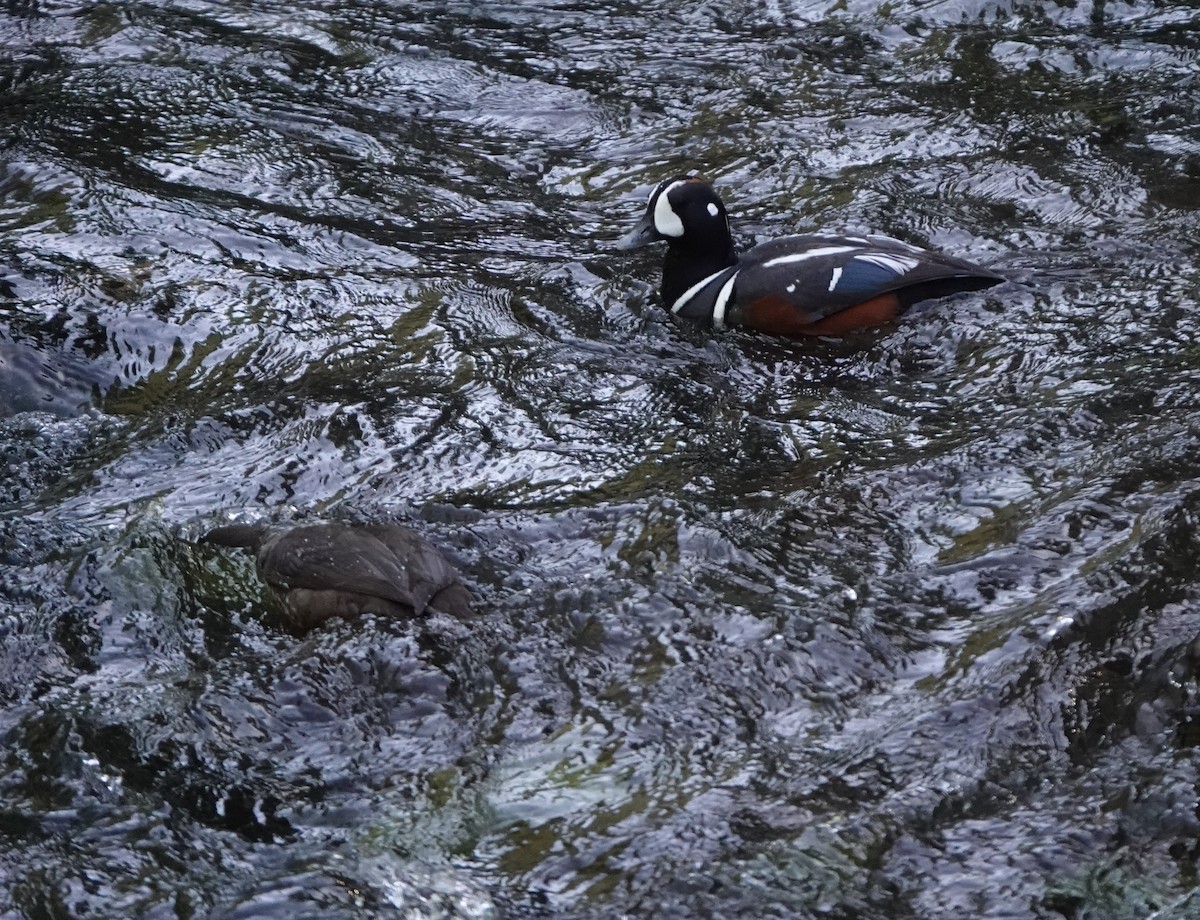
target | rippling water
[{"x": 906, "y": 625}]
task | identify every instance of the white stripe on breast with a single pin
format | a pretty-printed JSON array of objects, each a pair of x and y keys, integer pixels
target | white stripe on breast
[
  {"x": 691, "y": 292},
  {"x": 718, "y": 316}
]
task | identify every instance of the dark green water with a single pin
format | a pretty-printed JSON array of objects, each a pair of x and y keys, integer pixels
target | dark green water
[{"x": 906, "y": 626}]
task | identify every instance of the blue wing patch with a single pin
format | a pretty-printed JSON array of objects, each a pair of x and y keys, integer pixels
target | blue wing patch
[{"x": 867, "y": 273}]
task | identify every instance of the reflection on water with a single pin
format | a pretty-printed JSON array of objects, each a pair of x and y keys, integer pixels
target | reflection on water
[{"x": 900, "y": 626}]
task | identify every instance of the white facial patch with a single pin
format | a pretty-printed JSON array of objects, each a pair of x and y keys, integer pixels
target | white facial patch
[
  {"x": 897, "y": 265},
  {"x": 713, "y": 209},
  {"x": 666, "y": 221},
  {"x": 810, "y": 254}
]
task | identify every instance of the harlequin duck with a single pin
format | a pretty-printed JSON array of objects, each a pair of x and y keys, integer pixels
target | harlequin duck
[
  {"x": 795, "y": 285},
  {"x": 340, "y": 570}
]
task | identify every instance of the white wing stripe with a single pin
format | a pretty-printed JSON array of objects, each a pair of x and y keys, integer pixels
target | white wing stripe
[
  {"x": 810, "y": 254},
  {"x": 896, "y": 264}
]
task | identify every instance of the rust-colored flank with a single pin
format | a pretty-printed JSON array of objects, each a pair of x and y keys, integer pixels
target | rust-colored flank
[{"x": 779, "y": 315}]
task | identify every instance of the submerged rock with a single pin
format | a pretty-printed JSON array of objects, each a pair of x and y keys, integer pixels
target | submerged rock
[{"x": 38, "y": 379}]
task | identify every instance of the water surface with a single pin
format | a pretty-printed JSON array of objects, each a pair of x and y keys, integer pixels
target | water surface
[{"x": 898, "y": 626}]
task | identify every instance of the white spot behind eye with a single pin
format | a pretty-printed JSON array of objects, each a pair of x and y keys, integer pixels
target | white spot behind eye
[
  {"x": 666, "y": 221},
  {"x": 713, "y": 209}
]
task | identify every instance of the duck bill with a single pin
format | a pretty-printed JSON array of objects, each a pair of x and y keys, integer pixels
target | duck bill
[{"x": 641, "y": 235}]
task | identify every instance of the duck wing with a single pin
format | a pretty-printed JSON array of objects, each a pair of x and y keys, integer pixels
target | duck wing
[{"x": 815, "y": 277}]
